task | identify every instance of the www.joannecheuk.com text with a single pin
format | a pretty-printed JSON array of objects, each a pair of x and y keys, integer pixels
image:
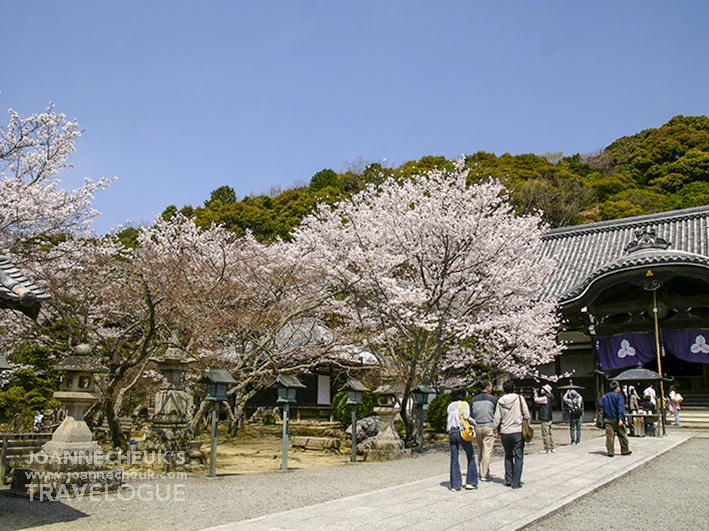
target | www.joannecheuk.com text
[{"x": 109, "y": 458}]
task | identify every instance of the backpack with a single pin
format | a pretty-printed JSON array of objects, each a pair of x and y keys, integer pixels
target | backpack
[{"x": 575, "y": 410}]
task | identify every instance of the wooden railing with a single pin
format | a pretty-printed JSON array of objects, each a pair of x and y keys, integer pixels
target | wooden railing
[{"x": 17, "y": 447}]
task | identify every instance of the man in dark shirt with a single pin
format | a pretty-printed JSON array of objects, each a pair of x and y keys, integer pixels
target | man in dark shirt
[
  {"x": 484, "y": 417},
  {"x": 545, "y": 417},
  {"x": 613, "y": 404}
]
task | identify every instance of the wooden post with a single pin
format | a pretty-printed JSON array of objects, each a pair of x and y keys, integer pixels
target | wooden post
[
  {"x": 284, "y": 437},
  {"x": 3, "y": 459},
  {"x": 215, "y": 432},
  {"x": 353, "y": 459}
]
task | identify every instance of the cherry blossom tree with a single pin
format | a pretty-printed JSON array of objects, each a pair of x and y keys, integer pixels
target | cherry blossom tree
[
  {"x": 34, "y": 210},
  {"x": 33, "y": 150},
  {"x": 234, "y": 302},
  {"x": 443, "y": 277}
]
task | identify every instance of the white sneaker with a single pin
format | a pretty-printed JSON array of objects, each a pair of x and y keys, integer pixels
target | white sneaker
[
  {"x": 543, "y": 451},
  {"x": 553, "y": 451}
]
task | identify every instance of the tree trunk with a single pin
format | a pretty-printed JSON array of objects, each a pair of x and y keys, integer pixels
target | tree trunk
[
  {"x": 202, "y": 410},
  {"x": 117, "y": 438}
]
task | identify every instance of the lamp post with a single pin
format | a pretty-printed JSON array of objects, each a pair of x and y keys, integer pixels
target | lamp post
[
  {"x": 217, "y": 381},
  {"x": 355, "y": 393},
  {"x": 287, "y": 387},
  {"x": 421, "y": 392}
]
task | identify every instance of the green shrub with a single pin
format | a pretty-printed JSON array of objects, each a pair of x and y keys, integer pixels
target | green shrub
[
  {"x": 342, "y": 411},
  {"x": 437, "y": 413},
  {"x": 268, "y": 420}
]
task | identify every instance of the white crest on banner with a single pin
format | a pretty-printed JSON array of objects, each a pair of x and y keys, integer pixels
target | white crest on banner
[
  {"x": 700, "y": 345},
  {"x": 626, "y": 349}
]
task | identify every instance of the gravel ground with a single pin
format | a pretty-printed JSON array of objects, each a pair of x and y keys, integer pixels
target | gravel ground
[
  {"x": 671, "y": 492},
  {"x": 208, "y": 502},
  {"x": 227, "y": 498}
]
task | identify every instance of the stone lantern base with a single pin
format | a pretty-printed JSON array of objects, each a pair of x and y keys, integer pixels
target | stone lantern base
[
  {"x": 72, "y": 463},
  {"x": 170, "y": 433},
  {"x": 387, "y": 445}
]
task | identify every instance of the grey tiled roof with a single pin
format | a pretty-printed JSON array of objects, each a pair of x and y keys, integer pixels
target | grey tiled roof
[
  {"x": 586, "y": 252},
  {"x": 11, "y": 277}
]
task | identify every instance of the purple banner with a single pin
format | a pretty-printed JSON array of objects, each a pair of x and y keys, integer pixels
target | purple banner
[
  {"x": 690, "y": 345},
  {"x": 625, "y": 350}
]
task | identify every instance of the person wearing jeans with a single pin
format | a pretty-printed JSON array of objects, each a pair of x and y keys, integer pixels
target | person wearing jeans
[
  {"x": 574, "y": 401},
  {"x": 456, "y": 442},
  {"x": 510, "y": 410},
  {"x": 675, "y": 400}
]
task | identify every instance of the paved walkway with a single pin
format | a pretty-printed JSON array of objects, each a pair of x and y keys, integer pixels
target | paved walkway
[{"x": 549, "y": 481}]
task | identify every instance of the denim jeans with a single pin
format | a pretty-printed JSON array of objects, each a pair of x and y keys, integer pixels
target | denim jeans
[
  {"x": 514, "y": 457},
  {"x": 676, "y": 411},
  {"x": 456, "y": 442},
  {"x": 575, "y": 426}
]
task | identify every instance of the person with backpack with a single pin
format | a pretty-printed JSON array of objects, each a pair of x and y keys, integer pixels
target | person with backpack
[{"x": 574, "y": 401}]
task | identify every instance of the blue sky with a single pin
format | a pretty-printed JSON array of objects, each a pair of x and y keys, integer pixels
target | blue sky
[{"x": 180, "y": 98}]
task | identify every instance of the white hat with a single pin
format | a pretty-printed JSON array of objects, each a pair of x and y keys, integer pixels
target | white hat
[{"x": 547, "y": 388}]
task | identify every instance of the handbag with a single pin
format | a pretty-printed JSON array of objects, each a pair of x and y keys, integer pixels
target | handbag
[
  {"x": 600, "y": 421},
  {"x": 467, "y": 431},
  {"x": 527, "y": 430}
]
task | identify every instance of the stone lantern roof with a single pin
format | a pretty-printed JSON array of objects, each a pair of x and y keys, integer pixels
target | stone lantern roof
[
  {"x": 174, "y": 355},
  {"x": 82, "y": 360}
]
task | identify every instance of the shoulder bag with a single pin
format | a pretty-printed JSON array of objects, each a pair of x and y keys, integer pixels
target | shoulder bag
[
  {"x": 467, "y": 431},
  {"x": 527, "y": 430}
]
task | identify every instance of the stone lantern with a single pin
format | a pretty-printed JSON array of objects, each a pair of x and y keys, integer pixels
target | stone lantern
[
  {"x": 173, "y": 405},
  {"x": 73, "y": 459},
  {"x": 78, "y": 392},
  {"x": 173, "y": 364},
  {"x": 170, "y": 430},
  {"x": 387, "y": 445}
]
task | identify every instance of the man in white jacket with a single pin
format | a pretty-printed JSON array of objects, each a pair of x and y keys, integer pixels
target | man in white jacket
[{"x": 510, "y": 410}]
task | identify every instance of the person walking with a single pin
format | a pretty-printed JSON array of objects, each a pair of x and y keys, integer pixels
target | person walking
[
  {"x": 613, "y": 404},
  {"x": 675, "y": 400},
  {"x": 484, "y": 416},
  {"x": 510, "y": 410},
  {"x": 574, "y": 401},
  {"x": 545, "y": 417},
  {"x": 456, "y": 409}
]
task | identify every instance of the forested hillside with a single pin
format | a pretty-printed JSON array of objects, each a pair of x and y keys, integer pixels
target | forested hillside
[{"x": 653, "y": 171}]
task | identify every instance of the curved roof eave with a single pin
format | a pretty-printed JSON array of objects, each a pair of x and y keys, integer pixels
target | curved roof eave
[{"x": 634, "y": 262}]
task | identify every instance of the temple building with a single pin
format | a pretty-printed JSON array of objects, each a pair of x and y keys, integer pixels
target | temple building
[{"x": 634, "y": 291}]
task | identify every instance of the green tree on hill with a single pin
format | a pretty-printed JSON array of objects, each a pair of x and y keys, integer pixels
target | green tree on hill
[{"x": 652, "y": 171}]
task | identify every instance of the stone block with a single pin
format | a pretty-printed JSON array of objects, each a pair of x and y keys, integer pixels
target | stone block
[{"x": 315, "y": 443}]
